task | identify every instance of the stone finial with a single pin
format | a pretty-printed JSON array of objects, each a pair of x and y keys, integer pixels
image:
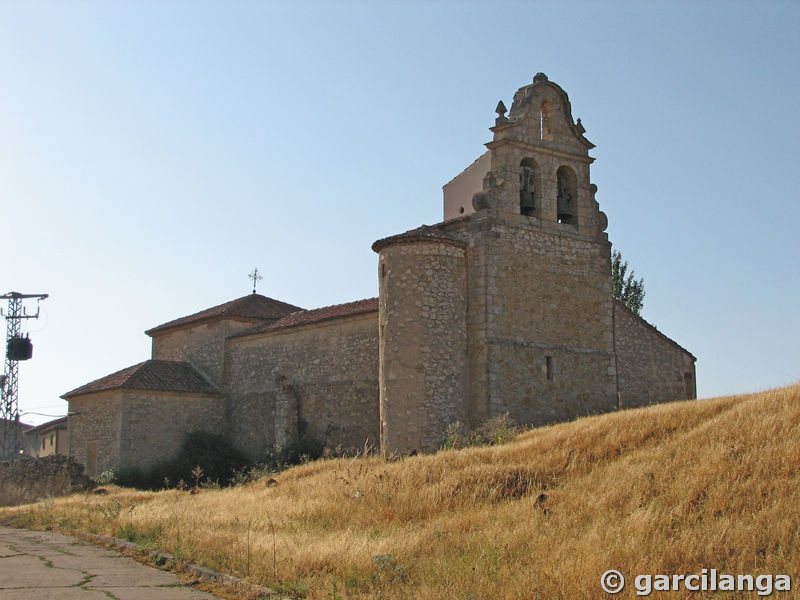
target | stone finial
[
  {"x": 539, "y": 77},
  {"x": 501, "y": 111},
  {"x": 579, "y": 126}
]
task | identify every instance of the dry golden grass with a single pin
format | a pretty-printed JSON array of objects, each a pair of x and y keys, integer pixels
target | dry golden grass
[{"x": 667, "y": 489}]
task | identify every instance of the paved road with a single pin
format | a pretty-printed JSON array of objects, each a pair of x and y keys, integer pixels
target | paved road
[{"x": 41, "y": 565}]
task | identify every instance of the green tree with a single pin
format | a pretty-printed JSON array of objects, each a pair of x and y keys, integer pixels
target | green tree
[{"x": 628, "y": 290}]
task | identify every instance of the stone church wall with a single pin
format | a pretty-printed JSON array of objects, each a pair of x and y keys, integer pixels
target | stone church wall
[
  {"x": 95, "y": 424},
  {"x": 423, "y": 348},
  {"x": 155, "y": 423},
  {"x": 201, "y": 344},
  {"x": 652, "y": 368},
  {"x": 124, "y": 429},
  {"x": 547, "y": 323},
  {"x": 324, "y": 374}
]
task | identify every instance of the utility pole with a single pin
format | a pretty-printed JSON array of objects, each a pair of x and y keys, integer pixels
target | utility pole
[{"x": 17, "y": 349}]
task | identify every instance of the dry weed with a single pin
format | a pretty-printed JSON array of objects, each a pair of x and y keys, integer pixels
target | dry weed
[{"x": 667, "y": 489}]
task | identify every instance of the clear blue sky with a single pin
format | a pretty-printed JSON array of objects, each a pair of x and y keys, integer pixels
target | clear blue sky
[{"x": 153, "y": 153}]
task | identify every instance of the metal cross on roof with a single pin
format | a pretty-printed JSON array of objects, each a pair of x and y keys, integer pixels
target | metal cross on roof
[{"x": 255, "y": 277}]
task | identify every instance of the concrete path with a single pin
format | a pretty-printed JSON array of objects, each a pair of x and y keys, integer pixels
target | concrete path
[{"x": 41, "y": 565}]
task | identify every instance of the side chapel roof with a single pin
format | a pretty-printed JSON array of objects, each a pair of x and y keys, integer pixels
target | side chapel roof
[
  {"x": 424, "y": 233},
  {"x": 307, "y": 317},
  {"x": 252, "y": 306},
  {"x": 156, "y": 375}
]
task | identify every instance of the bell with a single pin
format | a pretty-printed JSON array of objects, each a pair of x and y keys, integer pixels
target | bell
[
  {"x": 564, "y": 201},
  {"x": 526, "y": 191},
  {"x": 526, "y": 200},
  {"x": 563, "y": 207}
]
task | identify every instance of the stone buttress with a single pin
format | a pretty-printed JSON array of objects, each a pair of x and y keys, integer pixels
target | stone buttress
[{"x": 422, "y": 337}]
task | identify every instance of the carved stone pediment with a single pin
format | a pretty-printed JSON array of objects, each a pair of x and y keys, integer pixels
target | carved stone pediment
[{"x": 541, "y": 115}]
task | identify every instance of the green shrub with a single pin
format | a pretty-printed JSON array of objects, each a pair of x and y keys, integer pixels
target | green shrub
[
  {"x": 300, "y": 450},
  {"x": 251, "y": 473},
  {"x": 217, "y": 459},
  {"x": 146, "y": 538},
  {"x": 497, "y": 430},
  {"x": 107, "y": 478}
]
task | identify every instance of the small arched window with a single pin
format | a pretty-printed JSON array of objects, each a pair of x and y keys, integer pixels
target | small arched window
[
  {"x": 566, "y": 204},
  {"x": 545, "y": 120}
]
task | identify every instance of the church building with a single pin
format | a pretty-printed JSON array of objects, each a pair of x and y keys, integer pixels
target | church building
[{"x": 503, "y": 307}]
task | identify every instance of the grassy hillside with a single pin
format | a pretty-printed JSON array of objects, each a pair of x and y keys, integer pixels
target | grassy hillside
[{"x": 669, "y": 489}]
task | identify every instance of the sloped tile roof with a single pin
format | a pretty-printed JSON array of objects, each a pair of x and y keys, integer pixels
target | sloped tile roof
[
  {"x": 425, "y": 233},
  {"x": 156, "y": 375},
  {"x": 60, "y": 423},
  {"x": 252, "y": 306},
  {"x": 307, "y": 317}
]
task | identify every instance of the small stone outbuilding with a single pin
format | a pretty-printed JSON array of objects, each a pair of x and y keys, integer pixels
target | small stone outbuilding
[{"x": 48, "y": 439}]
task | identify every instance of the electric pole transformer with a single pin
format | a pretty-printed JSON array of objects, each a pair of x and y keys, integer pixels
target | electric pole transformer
[{"x": 17, "y": 348}]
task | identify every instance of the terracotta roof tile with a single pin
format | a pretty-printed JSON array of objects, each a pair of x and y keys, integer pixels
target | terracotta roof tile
[
  {"x": 60, "y": 423},
  {"x": 252, "y": 306},
  {"x": 157, "y": 375},
  {"x": 425, "y": 233},
  {"x": 307, "y": 317}
]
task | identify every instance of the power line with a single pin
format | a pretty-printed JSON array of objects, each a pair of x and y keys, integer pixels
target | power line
[{"x": 38, "y": 414}]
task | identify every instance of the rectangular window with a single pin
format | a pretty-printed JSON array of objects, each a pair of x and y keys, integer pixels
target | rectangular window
[{"x": 549, "y": 363}]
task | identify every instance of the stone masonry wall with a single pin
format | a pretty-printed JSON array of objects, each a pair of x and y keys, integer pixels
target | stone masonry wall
[
  {"x": 325, "y": 374},
  {"x": 201, "y": 344},
  {"x": 652, "y": 368},
  {"x": 155, "y": 423},
  {"x": 30, "y": 479},
  {"x": 423, "y": 310},
  {"x": 96, "y": 419},
  {"x": 550, "y": 302},
  {"x": 541, "y": 302}
]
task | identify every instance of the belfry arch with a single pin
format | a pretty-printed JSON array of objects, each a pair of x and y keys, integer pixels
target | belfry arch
[
  {"x": 567, "y": 199},
  {"x": 529, "y": 183}
]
